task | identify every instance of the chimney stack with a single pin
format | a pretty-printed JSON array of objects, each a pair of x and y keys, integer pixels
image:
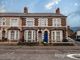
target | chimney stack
[
  {"x": 57, "y": 11},
  {"x": 25, "y": 10}
]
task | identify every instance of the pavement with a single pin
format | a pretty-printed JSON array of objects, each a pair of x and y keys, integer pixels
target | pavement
[
  {"x": 77, "y": 43},
  {"x": 38, "y": 52}
]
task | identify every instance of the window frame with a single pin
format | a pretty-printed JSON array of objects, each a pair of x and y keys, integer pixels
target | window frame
[
  {"x": 55, "y": 36},
  {"x": 45, "y": 22},
  {"x": 31, "y": 20},
  {"x": 16, "y": 35},
  {"x": 32, "y": 37},
  {"x": 2, "y": 20},
  {"x": 12, "y": 35},
  {"x": 17, "y": 20},
  {"x": 56, "y": 22}
]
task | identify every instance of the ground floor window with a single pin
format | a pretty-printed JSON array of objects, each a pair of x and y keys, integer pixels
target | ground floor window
[
  {"x": 29, "y": 35},
  {"x": 13, "y": 34},
  {"x": 17, "y": 34},
  {"x": 57, "y": 36}
]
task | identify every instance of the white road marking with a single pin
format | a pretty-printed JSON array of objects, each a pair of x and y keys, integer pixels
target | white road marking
[{"x": 72, "y": 56}]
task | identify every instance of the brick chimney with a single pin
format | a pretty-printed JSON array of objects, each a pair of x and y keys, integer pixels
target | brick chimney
[
  {"x": 25, "y": 10},
  {"x": 57, "y": 11}
]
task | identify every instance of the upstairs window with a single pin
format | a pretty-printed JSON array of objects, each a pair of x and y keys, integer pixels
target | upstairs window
[
  {"x": 2, "y": 21},
  {"x": 29, "y": 22},
  {"x": 43, "y": 22},
  {"x": 14, "y": 22},
  {"x": 56, "y": 22}
]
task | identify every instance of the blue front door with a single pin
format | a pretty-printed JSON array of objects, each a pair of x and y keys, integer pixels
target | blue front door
[{"x": 45, "y": 36}]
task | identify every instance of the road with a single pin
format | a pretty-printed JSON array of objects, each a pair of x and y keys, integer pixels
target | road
[
  {"x": 77, "y": 43},
  {"x": 37, "y": 52}
]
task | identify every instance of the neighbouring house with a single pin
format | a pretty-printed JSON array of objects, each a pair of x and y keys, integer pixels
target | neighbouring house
[
  {"x": 78, "y": 35},
  {"x": 71, "y": 33},
  {"x": 33, "y": 27}
]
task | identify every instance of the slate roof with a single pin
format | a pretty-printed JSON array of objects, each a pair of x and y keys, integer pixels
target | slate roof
[{"x": 30, "y": 14}]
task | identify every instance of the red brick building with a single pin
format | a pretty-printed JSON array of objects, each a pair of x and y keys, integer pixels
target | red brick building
[{"x": 33, "y": 27}]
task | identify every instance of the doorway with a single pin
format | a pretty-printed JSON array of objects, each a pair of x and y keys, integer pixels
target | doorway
[
  {"x": 46, "y": 36},
  {"x": 3, "y": 34},
  {"x": 40, "y": 36}
]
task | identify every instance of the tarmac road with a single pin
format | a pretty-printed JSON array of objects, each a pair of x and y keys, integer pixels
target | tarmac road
[{"x": 38, "y": 52}]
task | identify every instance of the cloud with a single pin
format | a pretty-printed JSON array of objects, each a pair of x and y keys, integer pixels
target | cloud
[
  {"x": 50, "y": 4},
  {"x": 2, "y": 6},
  {"x": 74, "y": 18},
  {"x": 76, "y": 4}
]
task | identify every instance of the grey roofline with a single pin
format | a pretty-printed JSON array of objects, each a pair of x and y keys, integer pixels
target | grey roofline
[{"x": 31, "y": 14}]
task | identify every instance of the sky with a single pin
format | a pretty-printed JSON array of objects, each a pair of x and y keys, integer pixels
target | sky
[{"x": 69, "y": 8}]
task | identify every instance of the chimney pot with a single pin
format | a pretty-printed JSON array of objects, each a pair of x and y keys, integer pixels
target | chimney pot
[
  {"x": 25, "y": 10},
  {"x": 58, "y": 11}
]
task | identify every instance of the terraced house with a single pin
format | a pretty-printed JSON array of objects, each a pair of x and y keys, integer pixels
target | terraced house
[{"x": 33, "y": 27}]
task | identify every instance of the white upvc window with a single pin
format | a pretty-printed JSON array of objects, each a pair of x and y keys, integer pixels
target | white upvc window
[
  {"x": 2, "y": 21},
  {"x": 30, "y": 22},
  {"x": 14, "y": 35},
  {"x": 43, "y": 22},
  {"x": 57, "y": 36},
  {"x": 56, "y": 22},
  {"x": 30, "y": 35},
  {"x": 14, "y": 22}
]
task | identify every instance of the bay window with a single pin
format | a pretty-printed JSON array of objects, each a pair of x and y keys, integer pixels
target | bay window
[
  {"x": 30, "y": 35},
  {"x": 14, "y": 35},
  {"x": 57, "y": 36}
]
